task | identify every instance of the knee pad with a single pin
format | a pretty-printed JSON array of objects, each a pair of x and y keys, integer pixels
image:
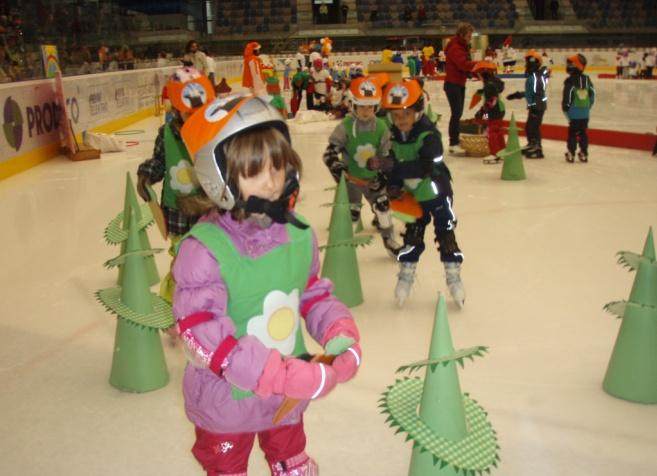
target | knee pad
[
  {"x": 381, "y": 204},
  {"x": 414, "y": 235},
  {"x": 447, "y": 243}
]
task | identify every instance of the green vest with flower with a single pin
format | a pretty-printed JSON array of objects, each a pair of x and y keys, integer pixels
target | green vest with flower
[
  {"x": 264, "y": 293},
  {"x": 361, "y": 147},
  {"x": 180, "y": 179},
  {"x": 423, "y": 189}
]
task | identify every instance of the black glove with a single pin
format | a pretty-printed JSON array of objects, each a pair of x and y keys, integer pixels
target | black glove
[
  {"x": 384, "y": 164},
  {"x": 336, "y": 168},
  {"x": 377, "y": 183},
  {"x": 516, "y": 95},
  {"x": 142, "y": 181},
  {"x": 479, "y": 114},
  {"x": 394, "y": 191}
]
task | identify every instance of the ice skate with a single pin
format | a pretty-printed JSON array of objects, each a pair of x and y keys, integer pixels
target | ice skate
[
  {"x": 405, "y": 280},
  {"x": 582, "y": 156},
  {"x": 535, "y": 153},
  {"x": 376, "y": 224},
  {"x": 570, "y": 158},
  {"x": 457, "y": 151},
  {"x": 454, "y": 283},
  {"x": 526, "y": 149},
  {"x": 492, "y": 159}
]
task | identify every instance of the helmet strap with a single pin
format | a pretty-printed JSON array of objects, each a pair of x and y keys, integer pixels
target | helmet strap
[{"x": 279, "y": 210}]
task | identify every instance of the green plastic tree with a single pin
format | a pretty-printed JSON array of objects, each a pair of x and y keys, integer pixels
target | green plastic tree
[
  {"x": 632, "y": 371},
  {"x": 450, "y": 431},
  {"x": 513, "y": 167},
  {"x": 340, "y": 262},
  {"x": 116, "y": 232},
  {"x": 138, "y": 363}
]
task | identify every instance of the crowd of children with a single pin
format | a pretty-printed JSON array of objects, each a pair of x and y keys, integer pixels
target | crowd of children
[{"x": 230, "y": 180}]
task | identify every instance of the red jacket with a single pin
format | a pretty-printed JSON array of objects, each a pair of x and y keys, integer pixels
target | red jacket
[{"x": 458, "y": 61}]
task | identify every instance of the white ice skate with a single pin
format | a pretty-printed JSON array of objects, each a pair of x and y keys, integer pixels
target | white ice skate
[
  {"x": 582, "y": 156},
  {"x": 457, "y": 151},
  {"x": 405, "y": 280},
  {"x": 570, "y": 158},
  {"x": 454, "y": 283},
  {"x": 492, "y": 159}
]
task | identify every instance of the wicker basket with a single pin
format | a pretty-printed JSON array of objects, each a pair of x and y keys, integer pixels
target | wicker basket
[{"x": 476, "y": 145}]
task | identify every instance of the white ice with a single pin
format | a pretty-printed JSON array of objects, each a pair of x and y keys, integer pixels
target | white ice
[{"x": 540, "y": 264}]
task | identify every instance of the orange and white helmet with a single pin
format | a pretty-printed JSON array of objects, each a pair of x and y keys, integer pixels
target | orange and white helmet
[
  {"x": 364, "y": 92},
  {"x": 533, "y": 55},
  {"x": 188, "y": 89},
  {"x": 482, "y": 66},
  {"x": 207, "y": 130},
  {"x": 403, "y": 95}
]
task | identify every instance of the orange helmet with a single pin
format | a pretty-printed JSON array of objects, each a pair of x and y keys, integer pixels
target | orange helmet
[
  {"x": 188, "y": 89},
  {"x": 403, "y": 95},
  {"x": 364, "y": 92},
  {"x": 578, "y": 60},
  {"x": 532, "y": 53},
  {"x": 484, "y": 66},
  {"x": 380, "y": 79},
  {"x": 207, "y": 130}
]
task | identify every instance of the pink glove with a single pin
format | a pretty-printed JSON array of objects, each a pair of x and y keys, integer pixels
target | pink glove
[
  {"x": 295, "y": 378},
  {"x": 346, "y": 364}
]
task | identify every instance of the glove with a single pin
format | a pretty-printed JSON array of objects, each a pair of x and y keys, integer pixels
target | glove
[
  {"x": 142, "y": 181},
  {"x": 479, "y": 114},
  {"x": 384, "y": 164},
  {"x": 295, "y": 378},
  {"x": 394, "y": 191},
  {"x": 516, "y": 95},
  {"x": 346, "y": 364},
  {"x": 377, "y": 183},
  {"x": 337, "y": 167}
]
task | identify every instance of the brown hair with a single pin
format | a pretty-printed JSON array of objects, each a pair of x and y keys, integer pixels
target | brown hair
[
  {"x": 463, "y": 29},
  {"x": 244, "y": 156}
]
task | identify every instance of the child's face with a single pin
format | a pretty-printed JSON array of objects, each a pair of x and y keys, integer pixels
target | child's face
[
  {"x": 267, "y": 184},
  {"x": 364, "y": 113},
  {"x": 403, "y": 119}
]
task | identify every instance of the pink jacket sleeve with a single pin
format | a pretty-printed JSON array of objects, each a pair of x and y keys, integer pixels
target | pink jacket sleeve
[
  {"x": 319, "y": 306},
  {"x": 200, "y": 287}
]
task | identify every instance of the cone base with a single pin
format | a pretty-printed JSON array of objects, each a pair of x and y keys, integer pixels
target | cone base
[{"x": 138, "y": 363}]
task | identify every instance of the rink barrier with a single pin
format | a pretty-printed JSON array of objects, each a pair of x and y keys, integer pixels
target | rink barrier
[{"x": 604, "y": 137}]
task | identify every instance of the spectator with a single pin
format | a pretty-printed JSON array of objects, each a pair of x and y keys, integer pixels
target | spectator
[
  {"x": 211, "y": 66},
  {"x": 103, "y": 56},
  {"x": 345, "y": 12},
  {"x": 554, "y": 9},
  {"x": 162, "y": 60},
  {"x": 458, "y": 67},
  {"x": 195, "y": 57},
  {"x": 421, "y": 15},
  {"x": 323, "y": 13}
]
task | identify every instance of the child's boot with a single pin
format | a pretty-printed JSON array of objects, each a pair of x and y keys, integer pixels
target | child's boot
[
  {"x": 405, "y": 280},
  {"x": 454, "y": 283},
  {"x": 570, "y": 158},
  {"x": 583, "y": 156},
  {"x": 300, "y": 465},
  {"x": 536, "y": 152}
]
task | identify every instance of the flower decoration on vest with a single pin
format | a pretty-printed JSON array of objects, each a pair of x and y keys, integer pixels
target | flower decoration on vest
[
  {"x": 363, "y": 154},
  {"x": 183, "y": 178},
  {"x": 279, "y": 322}
]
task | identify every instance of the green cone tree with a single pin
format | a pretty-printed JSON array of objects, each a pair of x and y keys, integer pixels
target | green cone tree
[
  {"x": 632, "y": 371},
  {"x": 513, "y": 167},
  {"x": 450, "y": 431},
  {"x": 340, "y": 262}
]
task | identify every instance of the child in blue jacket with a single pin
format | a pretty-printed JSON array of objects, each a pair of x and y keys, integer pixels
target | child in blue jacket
[{"x": 578, "y": 99}]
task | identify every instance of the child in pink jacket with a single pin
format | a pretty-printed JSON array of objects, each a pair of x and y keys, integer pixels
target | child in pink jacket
[{"x": 247, "y": 280}]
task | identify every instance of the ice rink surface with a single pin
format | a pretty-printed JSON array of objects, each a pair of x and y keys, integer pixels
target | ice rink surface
[{"x": 539, "y": 266}]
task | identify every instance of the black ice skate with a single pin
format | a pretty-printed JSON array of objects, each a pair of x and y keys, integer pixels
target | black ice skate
[
  {"x": 536, "y": 153},
  {"x": 583, "y": 157},
  {"x": 570, "y": 158}
]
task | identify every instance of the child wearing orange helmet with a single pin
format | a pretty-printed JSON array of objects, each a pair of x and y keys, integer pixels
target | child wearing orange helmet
[
  {"x": 188, "y": 90},
  {"x": 492, "y": 109},
  {"x": 357, "y": 147},
  {"x": 577, "y": 101},
  {"x": 535, "y": 93},
  {"x": 252, "y": 74},
  {"x": 419, "y": 169},
  {"x": 248, "y": 282}
]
